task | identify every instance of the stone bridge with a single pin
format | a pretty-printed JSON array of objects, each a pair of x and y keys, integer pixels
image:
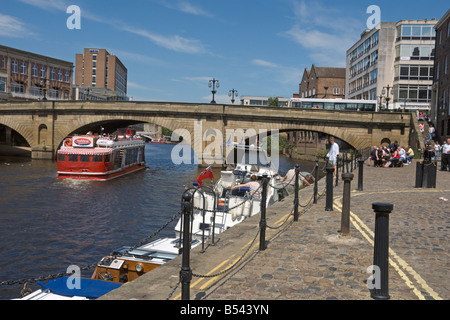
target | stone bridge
[{"x": 45, "y": 124}]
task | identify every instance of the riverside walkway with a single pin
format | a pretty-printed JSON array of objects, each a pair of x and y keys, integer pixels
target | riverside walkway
[{"x": 309, "y": 260}]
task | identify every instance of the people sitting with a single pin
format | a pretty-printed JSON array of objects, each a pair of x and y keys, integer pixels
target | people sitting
[
  {"x": 409, "y": 154},
  {"x": 393, "y": 160}
]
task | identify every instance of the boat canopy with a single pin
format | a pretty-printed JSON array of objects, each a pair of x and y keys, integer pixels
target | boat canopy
[
  {"x": 87, "y": 152},
  {"x": 89, "y": 288}
]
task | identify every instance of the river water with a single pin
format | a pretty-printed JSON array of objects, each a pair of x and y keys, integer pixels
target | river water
[{"x": 48, "y": 224}]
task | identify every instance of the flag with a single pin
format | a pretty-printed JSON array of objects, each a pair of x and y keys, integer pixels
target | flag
[{"x": 207, "y": 173}]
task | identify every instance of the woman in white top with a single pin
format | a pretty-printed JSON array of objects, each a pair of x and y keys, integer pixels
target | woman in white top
[{"x": 255, "y": 187}]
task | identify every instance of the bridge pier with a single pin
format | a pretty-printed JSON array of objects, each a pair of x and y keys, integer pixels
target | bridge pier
[{"x": 42, "y": 153}]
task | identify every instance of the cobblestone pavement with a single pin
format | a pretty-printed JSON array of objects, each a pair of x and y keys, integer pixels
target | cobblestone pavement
[{"x": 310, "y": 260}]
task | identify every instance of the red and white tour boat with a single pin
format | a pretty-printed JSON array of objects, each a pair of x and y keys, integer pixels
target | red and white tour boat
[{"x": 101, "y": 157}]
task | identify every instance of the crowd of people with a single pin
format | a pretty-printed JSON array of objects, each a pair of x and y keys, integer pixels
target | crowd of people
[{"x": 391, "y": 156}]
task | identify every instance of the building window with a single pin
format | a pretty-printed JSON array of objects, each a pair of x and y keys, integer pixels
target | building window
[
  {"x": 14, "y": 66},
  {"x": 445, "y": 65},
  {"x": 2, "y": 84},
  {"x": 23, "y": 68},
  {"x": 417, "y": 32},
  {"x": 415, "y": 72},
  {"x": 336, "y": 91},
  {"x": 42, "y": 73},
  {"x": 437, "y": 71},
  {"x": 3, "y": 63},
  {"x": 67, "y": 76},
  {"x": 34, "y": 70},
  {"x": 60, "y": 75},
  {"x": 52, "y": 74},
  {"x": 414, "y": 93},
  {"x": 415, "y": 52}
]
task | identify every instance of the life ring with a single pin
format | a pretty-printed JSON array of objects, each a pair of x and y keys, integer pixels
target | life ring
[{"x": 68, "y": 142}]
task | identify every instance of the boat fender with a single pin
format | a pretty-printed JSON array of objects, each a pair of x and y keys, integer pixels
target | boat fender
[{"x": 247, "y": 209}]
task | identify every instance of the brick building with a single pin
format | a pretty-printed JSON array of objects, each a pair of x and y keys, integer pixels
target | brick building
[
  {"x": 440, "y": 109},
  {"x": 100, "y": 75},
  {"x": 322, "y": 83},
  {"x": 26, "y": 75}
]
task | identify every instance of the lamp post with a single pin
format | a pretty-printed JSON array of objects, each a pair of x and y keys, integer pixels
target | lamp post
[
  {"x": 44, "y": 88},
  {"x": 387, "y": 96},
  {"x": 232, "y": 94},
  {"x": 214, "y": 84},
  {"x": 380, "y": 103}
]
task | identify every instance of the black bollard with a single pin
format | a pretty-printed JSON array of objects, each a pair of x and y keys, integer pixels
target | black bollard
[
  {"x": 360, "y": 174},
  {"x": 316, "y": 180},
  {"x": 297, "y": 172},
  {"x": 263, "y": 223},
  {"x": 345, "y": 218},
  {"x": 329, "y": 190},
  {"x": 186, "y": 272},
  {"x": 381, "y": 250}
]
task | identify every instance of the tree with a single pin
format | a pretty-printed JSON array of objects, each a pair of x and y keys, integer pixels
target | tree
[{"x": 273, "y": 102}]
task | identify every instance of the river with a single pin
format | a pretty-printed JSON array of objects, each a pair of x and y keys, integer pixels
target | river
[{"x": 48, "y": 224}]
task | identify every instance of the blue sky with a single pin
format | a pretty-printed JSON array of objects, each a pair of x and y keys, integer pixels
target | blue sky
[{"x": 171, "y": 48}]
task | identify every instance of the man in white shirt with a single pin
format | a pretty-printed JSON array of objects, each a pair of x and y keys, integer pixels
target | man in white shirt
[
  {"x": 333, "y": 154},
  {"x": 446, "y": 156}
]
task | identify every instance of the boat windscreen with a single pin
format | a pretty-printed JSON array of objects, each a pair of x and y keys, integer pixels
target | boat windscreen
[{"x": 256, "y": 157}]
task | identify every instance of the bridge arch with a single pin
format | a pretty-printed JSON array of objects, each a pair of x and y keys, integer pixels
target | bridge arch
[{"x": 22, "y": 130}]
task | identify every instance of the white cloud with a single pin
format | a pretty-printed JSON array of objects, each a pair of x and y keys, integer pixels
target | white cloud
[
  {"x": 175, "y": 43},
  {"x": 264, "y": 63},
  {"x": 324, "y": 32},
  {"x": 12, "y": 27},
  {"x": 47, "y": 4},
  {"x": 186, "y": 7}
]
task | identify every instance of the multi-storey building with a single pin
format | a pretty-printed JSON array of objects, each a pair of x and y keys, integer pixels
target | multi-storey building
[
  {"x": 95, "y": 69},
  {"x": 440, "y": 110},
  {"x": 26, "y": 75},
  {"x": 393, "y": 63},
  {"x": 322, "y": 83}
]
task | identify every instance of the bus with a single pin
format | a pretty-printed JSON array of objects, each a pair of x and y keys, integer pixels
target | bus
[{"x": 333, "y": 104}]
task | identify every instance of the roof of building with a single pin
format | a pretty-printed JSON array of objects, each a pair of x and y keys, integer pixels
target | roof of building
[
  {"x": 444, "y": 18},
  {"x": 325, "y": 72}
]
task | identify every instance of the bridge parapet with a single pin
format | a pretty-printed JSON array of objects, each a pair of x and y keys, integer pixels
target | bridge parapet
[{"x": 44, "y": 124}]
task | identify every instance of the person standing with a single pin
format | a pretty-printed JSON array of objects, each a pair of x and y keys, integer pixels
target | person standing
[
  {"x": 333, "y": 154},
  {"x": 446, "y": 156}
]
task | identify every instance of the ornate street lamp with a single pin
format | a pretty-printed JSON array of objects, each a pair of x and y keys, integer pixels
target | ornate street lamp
[
  {"x": 214, "y": 84},
  {"x": 232, "y": 94},
  {"x": 44, "y": 88},
  {"x": 387, "y": 96}
]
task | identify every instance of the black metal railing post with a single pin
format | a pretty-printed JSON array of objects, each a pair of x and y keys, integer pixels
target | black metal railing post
[
  {"x": 337, "y": 171},
  {"x": 186, "y": 272},
  {"x": 263, "y": 223},
  {"x": 329, "y": 190},
  {"x": 345, "y": 216},
  {"x": 316, "y": 180},
  {"x": 297, "y": 172},
  {"x": 360, "y": 174},
  {"x": 380, "y": 290}
]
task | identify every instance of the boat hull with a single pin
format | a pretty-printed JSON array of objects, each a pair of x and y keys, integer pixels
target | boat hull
[{"x": 100, "y": 176}]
